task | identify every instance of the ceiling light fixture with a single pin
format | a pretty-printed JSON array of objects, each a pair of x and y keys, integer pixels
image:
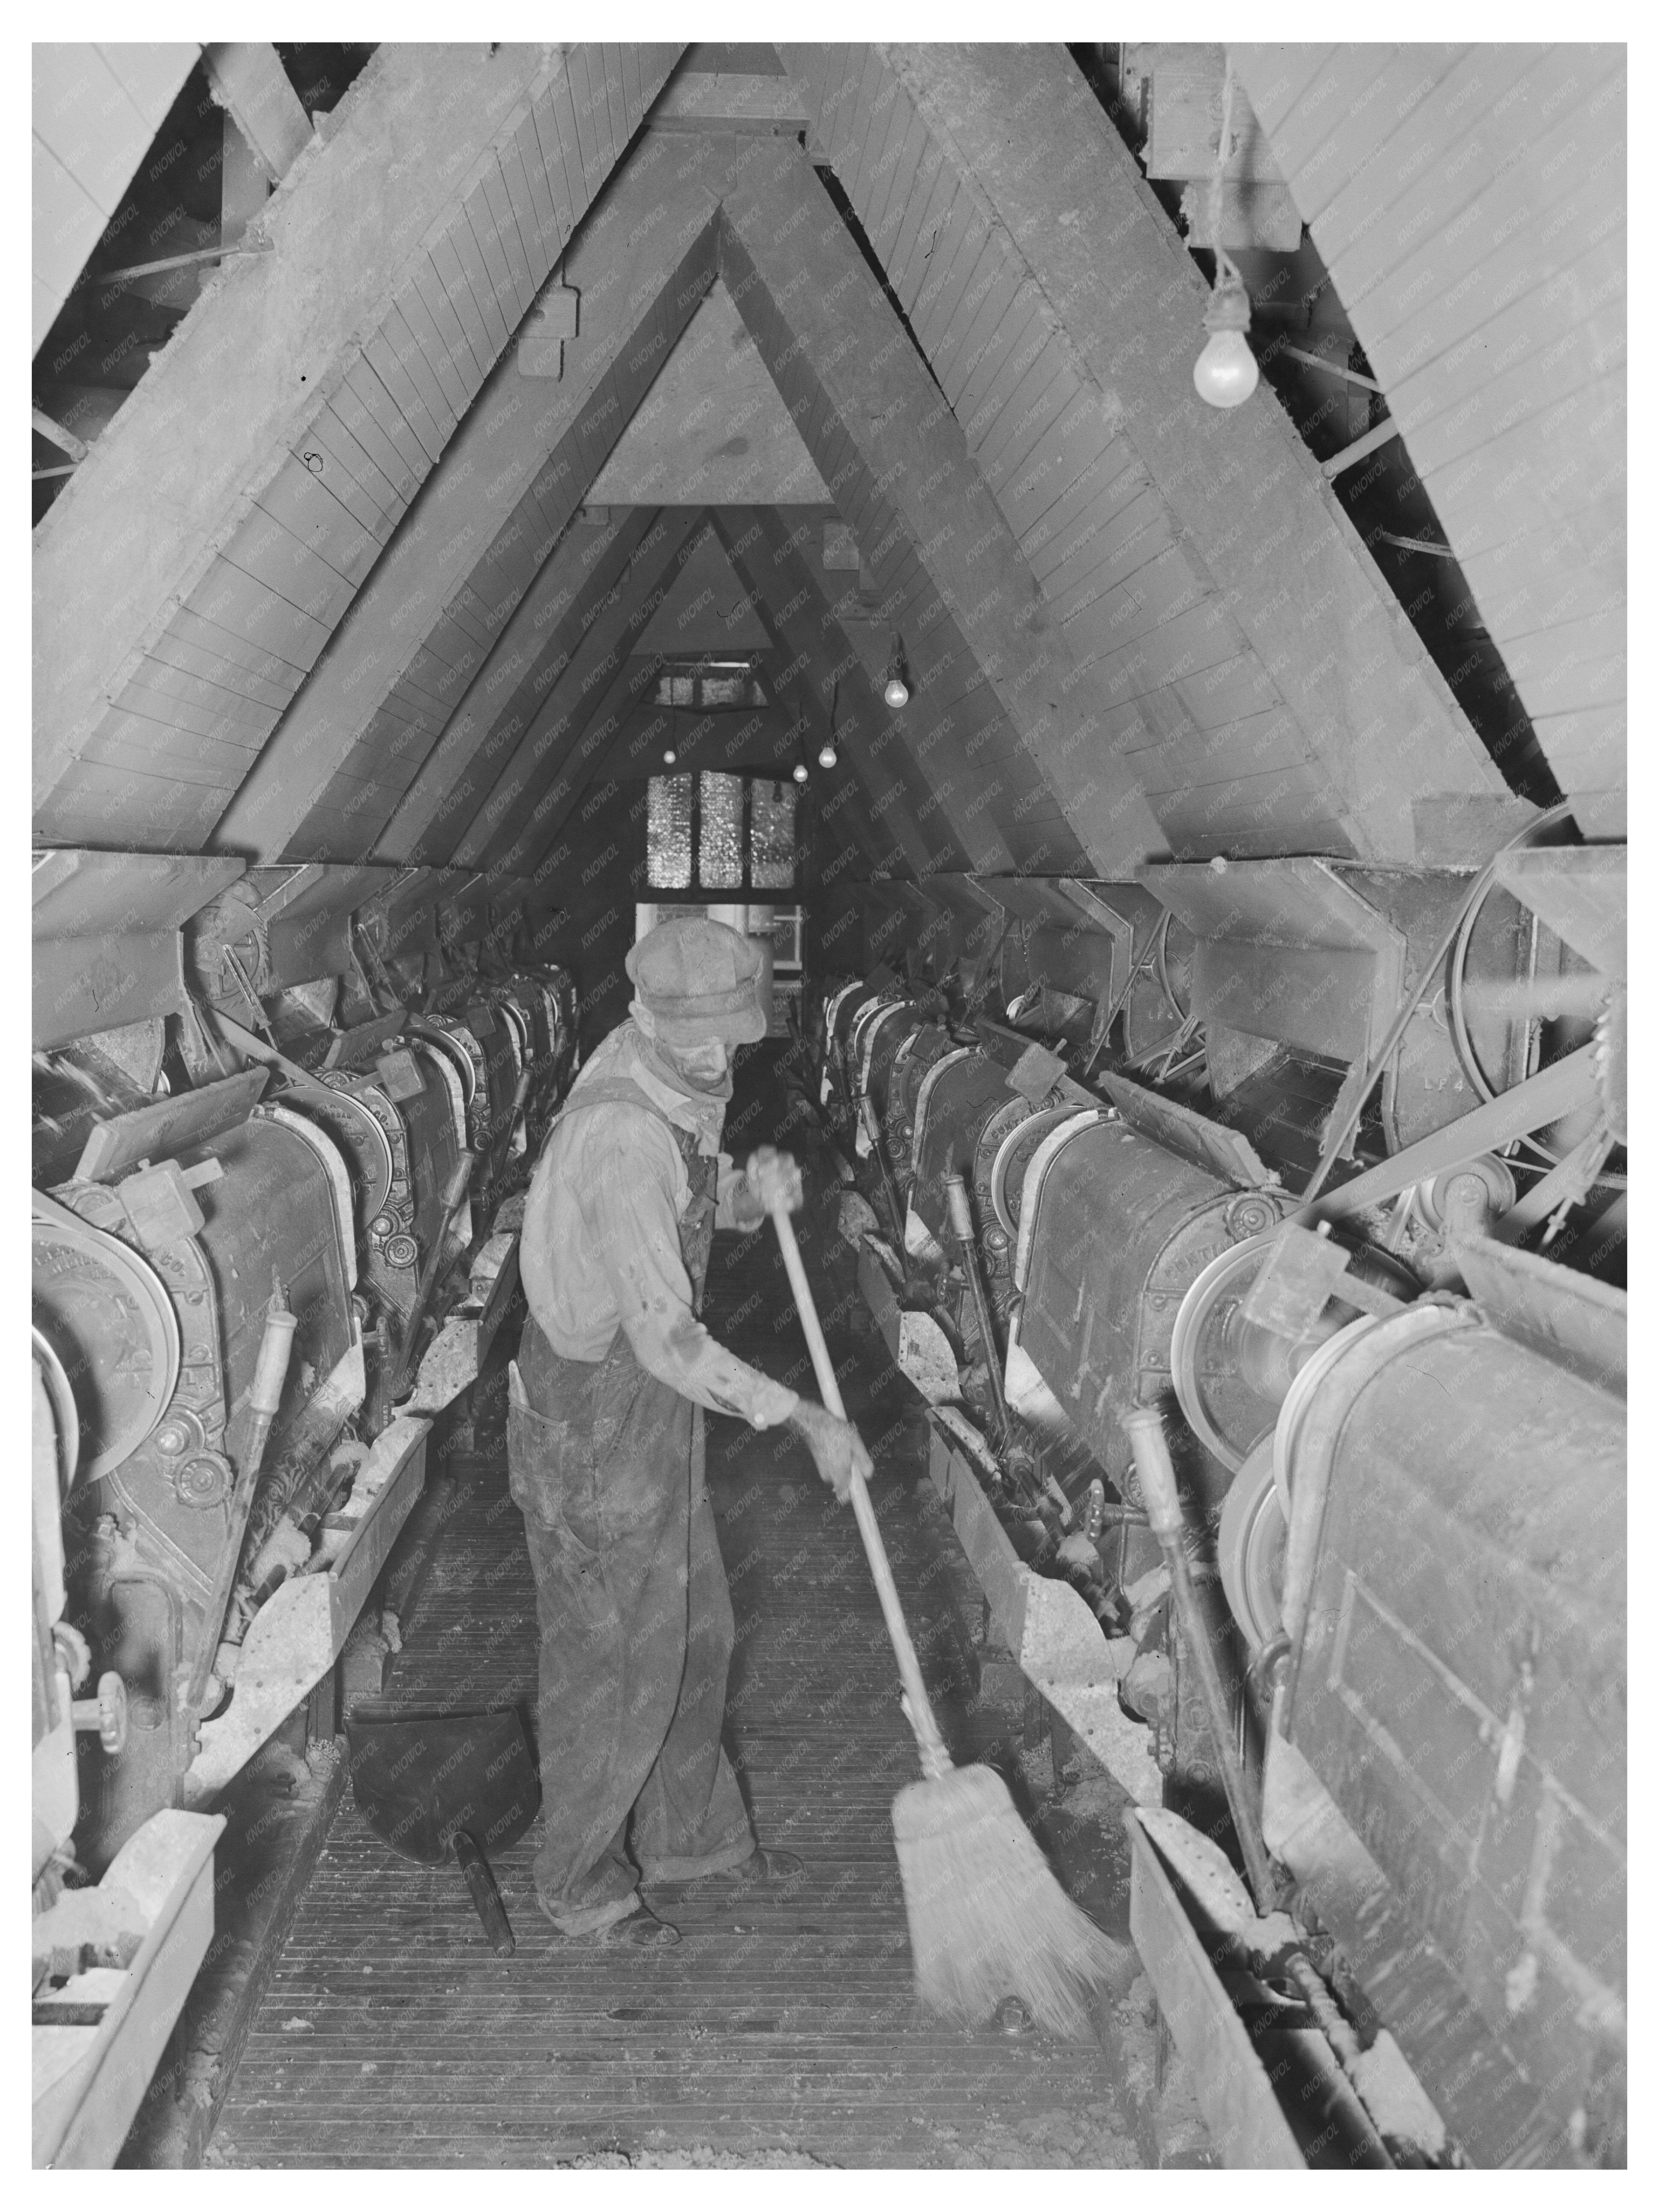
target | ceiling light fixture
[
  {"x": 800, "y": 771},
  {"x": 897, "y": 691},
  {"x": 1225, "y": 373},
  {"x": 828, "y": 754}
]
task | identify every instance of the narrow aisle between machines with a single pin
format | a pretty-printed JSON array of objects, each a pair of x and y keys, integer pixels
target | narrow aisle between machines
[{"x": 782, "y": 2029}]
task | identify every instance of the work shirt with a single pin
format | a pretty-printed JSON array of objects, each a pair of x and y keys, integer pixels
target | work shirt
[{"x": 601, "y": 1246}]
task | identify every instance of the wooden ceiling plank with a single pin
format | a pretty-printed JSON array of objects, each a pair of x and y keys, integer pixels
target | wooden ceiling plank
[
  {"x": 1040, "y": 403},
  {"x": 463, "y": 284},
  {"x": 983, "y": 308},
  {"x": 1225, "y": 690},
  {"x": 404, "y": 396},
  {"x": 615, "y": 99},
  {"x": 1140, "y": 532},
  {"x": 834, "y": 107},
  {"x": 537, "y": 239},
  {"x": 521, "y": 288},
  {"x": 862, "y": 122},
  {"x": 1375, "y": 184},
  {"x": 1530, "y": 474},
  {"x": 263, "y": 549},
  {"x": 550, "y": 235},
  {"x": 1357, "y": 97},
  {"x": 1527, "y": 399},
  {"x": 1286, "y": 78},
  {"x": 895, "y": 163},
  {"x": 384, "y": 406},
  {"x": 488, "y": 211},
  {"x": 1005, "y": 405},
  {"x": 1017, "y": 340},
  {"x": 950, "y": 264},
  {"x": 300, "y": 499},
  {"x": 370, "y": 410},
  {"x": 266, "y": 620},
  {"x": 192, "y": 703},
  {"x": 592, "y": 122},
  {"x": 1103, "y": 531},
  {"x": 428, "y": 309},
  {"x": 202, "y": 634},
  {"x": 906, "y": 267},
  {"x": 1047, "y": 504},
  {"x": 484, "y": 267},
  {"x": 125, "y": 738},
  {"x": 435, "y": 422},
  {"x": 555, "y": 133},
  {"x": 1559, "y": 331},
  {"x": 1159, "y": 590},
  {"x": 184, "y": 653},
  {"x": 352, "y": 474},
  {"x": 125, "y": 809},
  {"x": 1577, "y": 217}
]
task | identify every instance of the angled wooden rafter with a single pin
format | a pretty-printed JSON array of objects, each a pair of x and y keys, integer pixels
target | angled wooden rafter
[
  {"x": 501, "y": 498},
  {"x": 952, "y": 577},
  {"x": 1061, "y": 313},
  {"x": 191, "y": 574}
]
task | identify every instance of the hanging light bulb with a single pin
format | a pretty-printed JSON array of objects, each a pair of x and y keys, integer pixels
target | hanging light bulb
[
  {"x": 826, "y": 754},
  {"x": 669, "y": 756},
  {"x": 897, "y": 691},
  {"x": 799, "y": 771},
  {"x": 1225, "y": 373}
]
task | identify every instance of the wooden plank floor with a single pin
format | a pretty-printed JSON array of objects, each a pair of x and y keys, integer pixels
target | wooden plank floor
[{"x": 780, "y": 2032}]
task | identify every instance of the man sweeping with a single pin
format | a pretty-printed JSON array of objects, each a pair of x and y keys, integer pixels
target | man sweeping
[{"x": 606, "y": 1425}]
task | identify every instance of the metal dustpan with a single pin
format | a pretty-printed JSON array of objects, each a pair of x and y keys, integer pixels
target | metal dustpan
[{"x": 436, "y": 1783}]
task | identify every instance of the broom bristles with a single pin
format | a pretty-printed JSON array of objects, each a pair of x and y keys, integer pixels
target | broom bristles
[{"x": 987, "y": 1919}]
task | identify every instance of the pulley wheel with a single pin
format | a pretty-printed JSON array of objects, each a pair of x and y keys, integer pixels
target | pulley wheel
[
  {"x": 1250, "y": 1543},
  {"x": 1226, "y": 1415},
  {"x": 106, "y": 1315}
]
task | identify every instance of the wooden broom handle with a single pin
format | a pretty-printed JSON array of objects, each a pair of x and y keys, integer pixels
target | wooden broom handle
[{"x": 935, "y": 1759}]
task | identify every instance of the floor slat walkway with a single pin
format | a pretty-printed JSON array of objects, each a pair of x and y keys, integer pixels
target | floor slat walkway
[{"x": 780, "y": 2032}]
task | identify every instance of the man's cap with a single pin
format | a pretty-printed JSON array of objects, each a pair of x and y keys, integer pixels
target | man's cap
[{"x": 699, "y": 980}]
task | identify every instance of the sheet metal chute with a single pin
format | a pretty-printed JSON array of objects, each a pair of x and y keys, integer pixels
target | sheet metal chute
[{"x": 1445, "y": 1774}]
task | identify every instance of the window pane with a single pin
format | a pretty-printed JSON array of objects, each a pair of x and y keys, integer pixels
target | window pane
[
  {"x": 668, "y": 833},
  {"x": 772, "y": 835},
  {"x": 720, "y": 848}
]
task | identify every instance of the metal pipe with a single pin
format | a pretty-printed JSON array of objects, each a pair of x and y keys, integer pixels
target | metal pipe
[{"x": 962, "y": 1223}]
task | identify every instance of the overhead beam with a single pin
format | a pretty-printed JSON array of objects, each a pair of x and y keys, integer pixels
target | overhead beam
[
  {"x": 198, "y": 562},
  {"x": 952, "y": 574},
  {"x": 511, "y": 478},
  {"x": 250, "y": 83},
  {"x": 1052, "y": 229}
]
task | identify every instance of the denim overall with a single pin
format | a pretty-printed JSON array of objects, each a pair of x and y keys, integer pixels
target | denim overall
[{"x": 605, "y": 1462}]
